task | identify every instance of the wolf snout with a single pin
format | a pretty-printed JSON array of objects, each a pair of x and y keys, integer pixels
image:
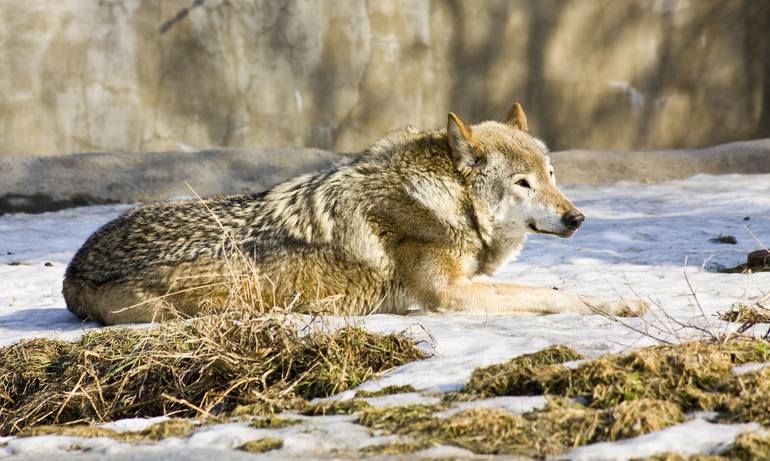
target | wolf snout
[{"x": 572, "y": 219}]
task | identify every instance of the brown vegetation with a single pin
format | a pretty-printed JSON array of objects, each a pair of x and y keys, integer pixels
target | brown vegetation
[{"x": 205, "y": 367}]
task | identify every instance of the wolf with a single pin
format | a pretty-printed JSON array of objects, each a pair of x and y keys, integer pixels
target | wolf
[{"x": 409, "y": 225}]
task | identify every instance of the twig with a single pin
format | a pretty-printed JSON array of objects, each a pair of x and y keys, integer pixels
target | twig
[{"x": 179, "y": 16}]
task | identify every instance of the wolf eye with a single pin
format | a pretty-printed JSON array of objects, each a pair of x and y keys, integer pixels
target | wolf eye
[{"x": 523, "y": 183}]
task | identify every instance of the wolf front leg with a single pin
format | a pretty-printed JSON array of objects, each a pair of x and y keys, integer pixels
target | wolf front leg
[
  {"x": 437, "y": 277},
  {"x": 506, "y": 299}
]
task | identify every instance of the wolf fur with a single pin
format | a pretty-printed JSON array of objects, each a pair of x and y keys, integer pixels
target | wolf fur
[{"x": 409, "y": 224}]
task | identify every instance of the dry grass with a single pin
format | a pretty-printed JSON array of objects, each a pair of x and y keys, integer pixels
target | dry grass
[
  {"x": 562, "y": 425},
  {"x": 170, "y": 428},
  {"x": 748, "y": 398},
  {"x": 204, "y": 367},
  {"x": 273, "y": 422},
  {"x": 398, "y": 418},
  {"x": 750, "y": 446},
  {"x": 336, "y": 407},
  {"x": 749, "y": 314},
  {"x": 625, "y": 396},
  {"x": 262, "y": 445},
  {"x": 387, "y": 390},
  {"x": 395, "y": 448},
  {"x": 693, "y": 375},
  {"x": 635, "y": 417},
  {"x": 528, "y": 374},
  {"x": 742, "y": 313}
]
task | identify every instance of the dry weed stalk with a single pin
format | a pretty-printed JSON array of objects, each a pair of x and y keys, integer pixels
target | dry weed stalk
[{"x": 665, "y": 328}]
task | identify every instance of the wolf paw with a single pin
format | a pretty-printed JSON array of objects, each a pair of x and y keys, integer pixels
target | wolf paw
[
  {"x": 620, "y": 308},
  {"x": 633, "y": 308}
]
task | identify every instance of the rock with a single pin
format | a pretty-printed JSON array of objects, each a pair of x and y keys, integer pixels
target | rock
[
  {"x": 36, "y": 184},
  {"x": 595, "y": 167},
  {"x": 759, "y": 260}
]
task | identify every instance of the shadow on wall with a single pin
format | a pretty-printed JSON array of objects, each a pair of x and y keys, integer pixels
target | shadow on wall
[{"x": 146, "y": 76}]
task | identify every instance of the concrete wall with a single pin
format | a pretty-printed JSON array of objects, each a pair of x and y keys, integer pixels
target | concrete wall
[
  {"x": 35, "y": 184},
  {"x": 132, "y": 75}
]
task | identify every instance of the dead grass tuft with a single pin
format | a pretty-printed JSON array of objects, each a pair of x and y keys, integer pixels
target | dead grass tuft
[
  {"x": 398, "y": 418},
  {"x": 488, "y": 430},
  {"x": 626, "y": 395},
  {"x": 78, "y": 430},
  {"x": 203, "y": 367},
  {"x": 395, "y": 448},
  {"x": 262, "y": 445},
  {"x": 750, "y": 446},
  {"x": 636, "y": 417},
  {"x": 170, "y": 428},
  {"x": 25, "y": 367},
  {"x": 749, "y": 398},
  {"x": 693, "y": 375},
  {"x": 563, "y": 424},
  {"x": 387, "y": 390},
  {"x": 273, "y": 422},
  {"x": 336, "y": 407},
  {"x": 743, "y": 313},
  {"x": 528, "y": 374}
]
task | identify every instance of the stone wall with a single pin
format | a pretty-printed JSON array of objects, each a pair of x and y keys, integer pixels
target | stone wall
[{"x": 131, "y": 75}]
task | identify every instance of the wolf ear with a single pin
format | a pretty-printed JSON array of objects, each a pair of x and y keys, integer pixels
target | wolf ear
[
  {"x": 516, "y": 118},
  {"x": 461, "y": 143}
]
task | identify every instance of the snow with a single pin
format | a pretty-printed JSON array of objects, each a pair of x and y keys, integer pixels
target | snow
[
  {"x": 515, "y": 404},
  {"x": 406, "y": 398},
  {"x": 691, "y": 437},
  {"x": 133, "y": 424},
  {"x": 634, "y": 243}
]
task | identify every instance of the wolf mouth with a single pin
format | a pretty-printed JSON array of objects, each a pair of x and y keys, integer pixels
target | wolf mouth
[{"x": 565, "y": 234}]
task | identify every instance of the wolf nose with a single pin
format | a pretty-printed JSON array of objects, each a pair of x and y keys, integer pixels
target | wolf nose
[{"x": 573, "y": 219}]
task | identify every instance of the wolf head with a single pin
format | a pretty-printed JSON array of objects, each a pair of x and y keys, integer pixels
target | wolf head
[{"x": 508, "y": 169}]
